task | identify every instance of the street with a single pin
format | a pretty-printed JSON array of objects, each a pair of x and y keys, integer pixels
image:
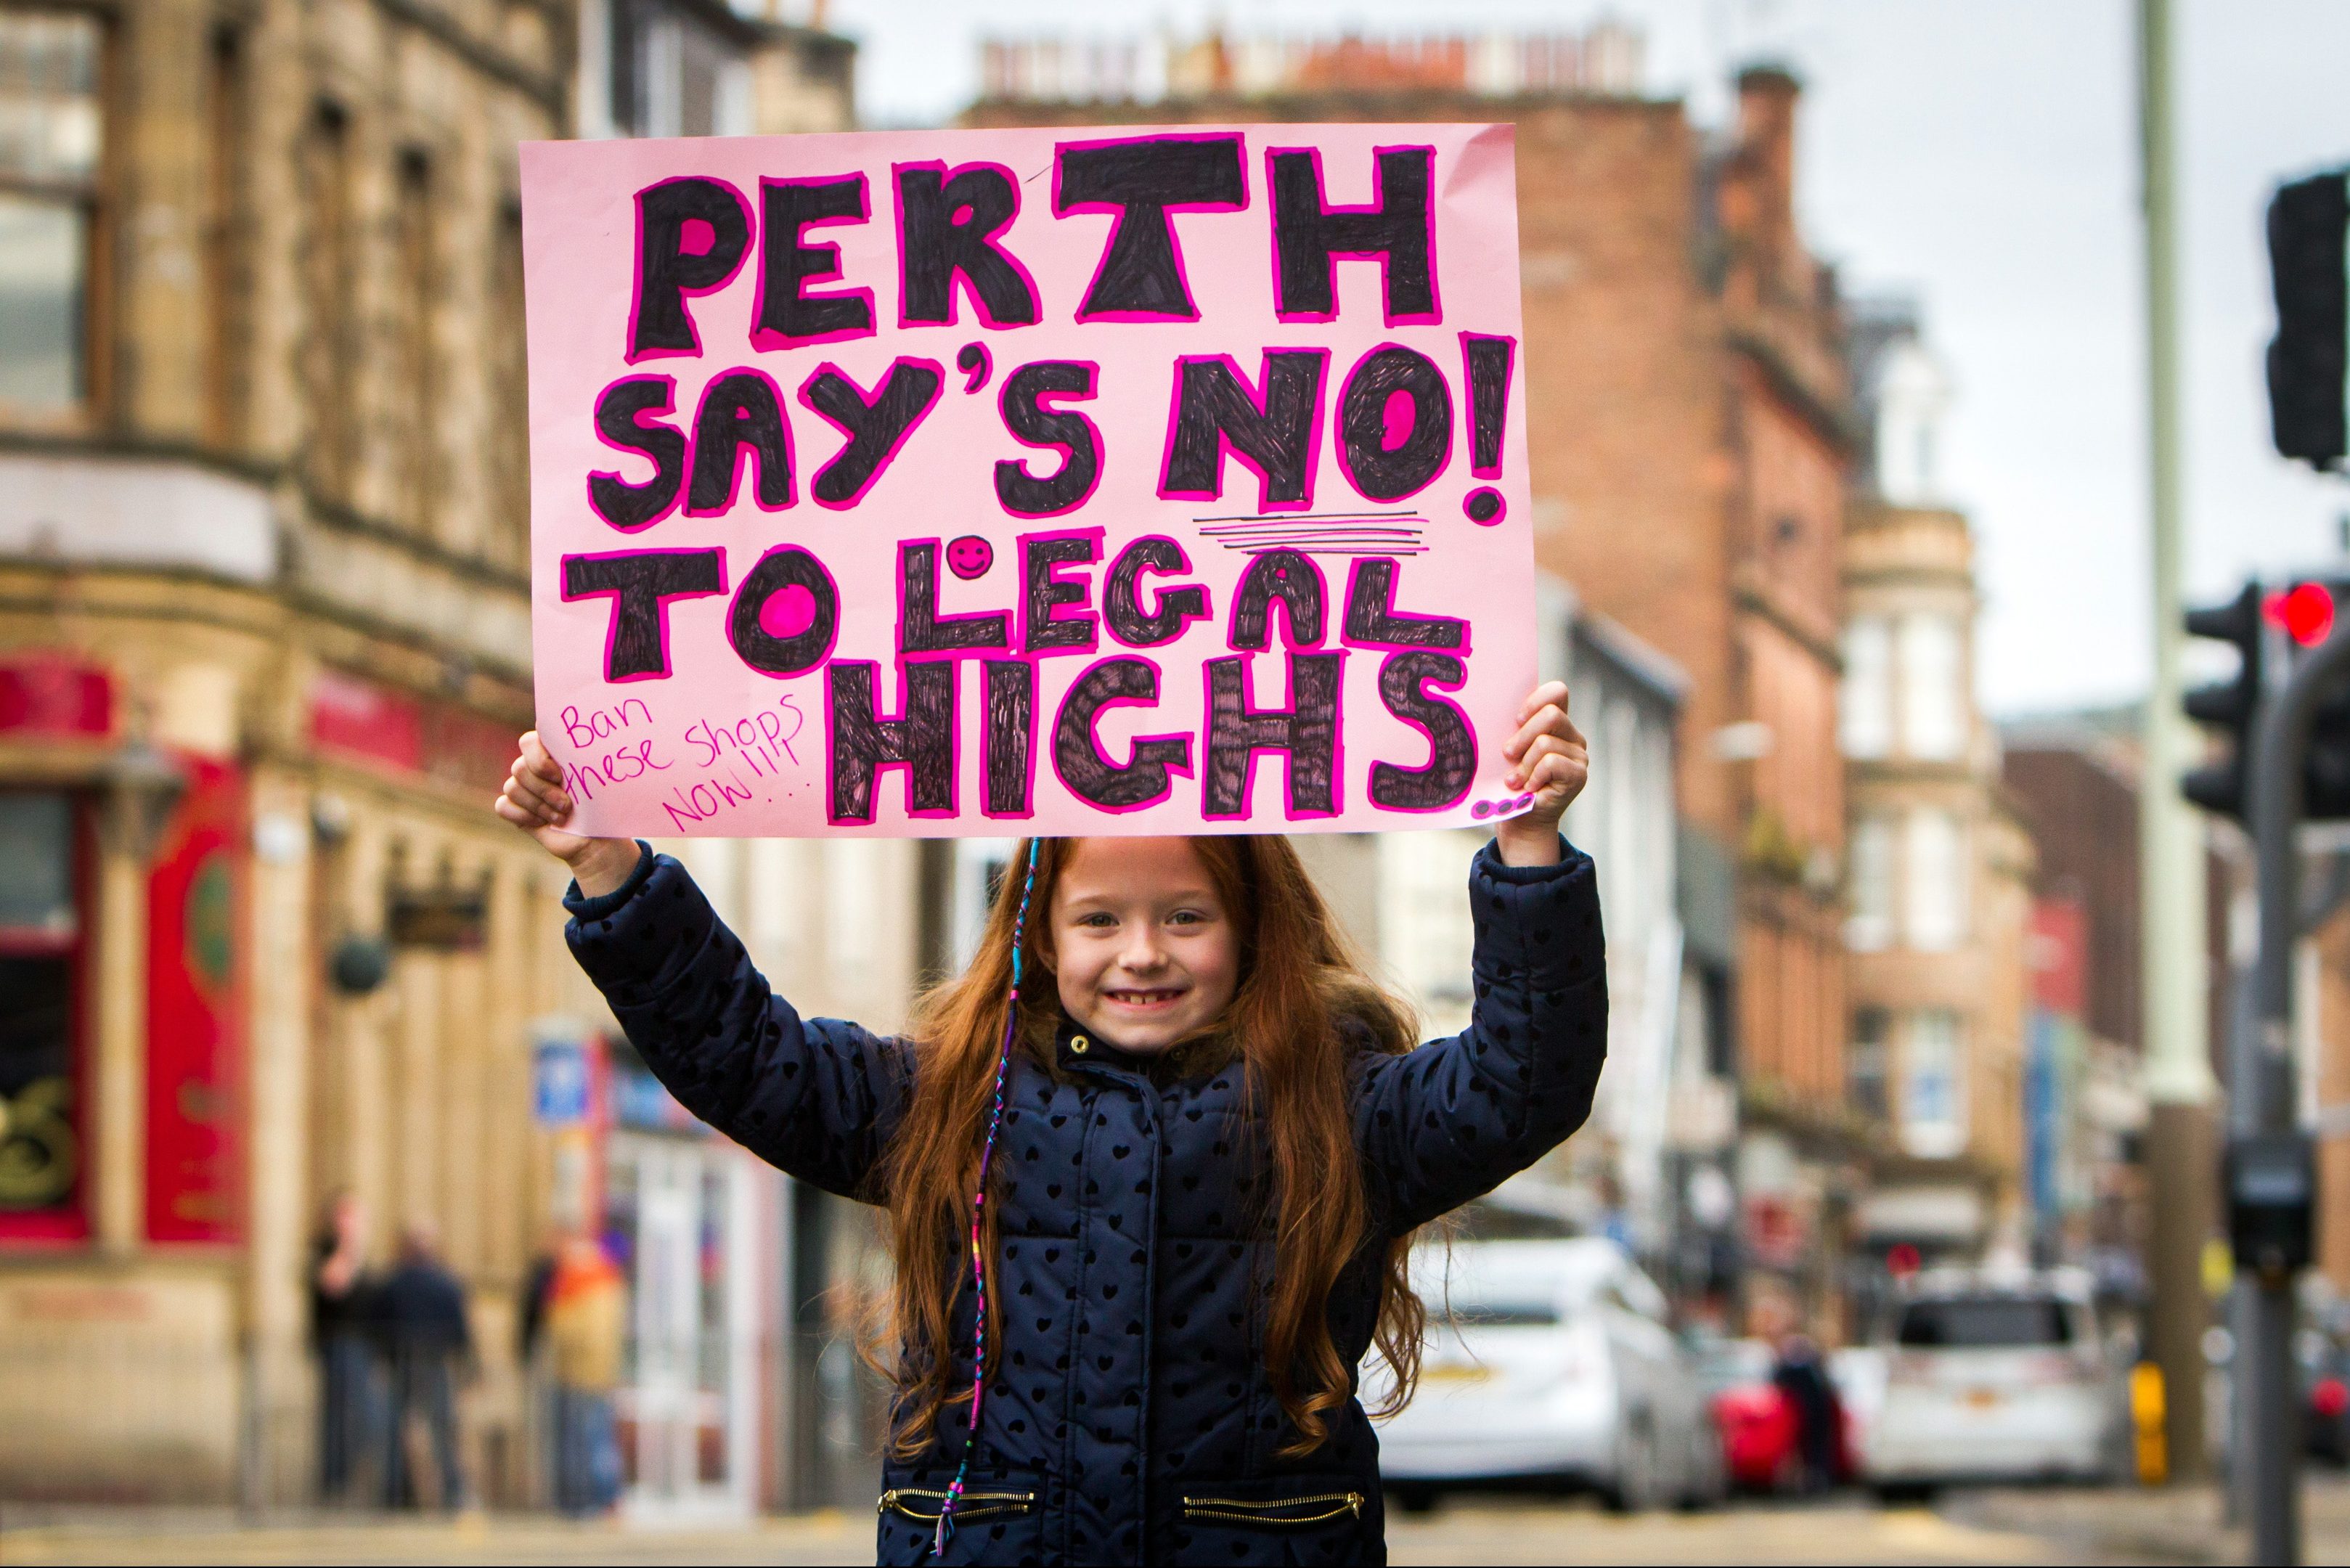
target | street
[{"x": 2112, "y": 1526}]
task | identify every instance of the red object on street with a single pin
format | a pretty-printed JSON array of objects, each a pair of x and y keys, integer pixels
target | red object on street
[
  {"x": 2329, "y": 1397},
  {"x": 1758, "y": 1434},
  {"x": 1901, "y": 1260}
]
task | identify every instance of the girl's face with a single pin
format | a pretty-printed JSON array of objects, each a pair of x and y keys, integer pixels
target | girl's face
[{"x": 1143, "y": 949}]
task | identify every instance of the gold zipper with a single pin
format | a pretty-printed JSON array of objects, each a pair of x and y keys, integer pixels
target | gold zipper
[
  {"x": 975, "y": 1504},
  {"x": 1246, "y": 1511}
]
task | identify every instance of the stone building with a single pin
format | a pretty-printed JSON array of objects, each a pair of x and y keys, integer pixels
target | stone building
[
  {"x": 264, "y": 653},
  {"x": 1940, "y": 868},
  {"x": 1690, "y": 429}
]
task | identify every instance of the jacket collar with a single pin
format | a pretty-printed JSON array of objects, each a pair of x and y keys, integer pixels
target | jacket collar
[{"x": 1075, "y": 1047}]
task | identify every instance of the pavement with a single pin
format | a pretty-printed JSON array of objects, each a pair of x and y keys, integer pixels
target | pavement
[{"x": 2089, "y": 1526}]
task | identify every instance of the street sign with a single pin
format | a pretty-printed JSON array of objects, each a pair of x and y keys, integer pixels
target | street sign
[{"x": 560, "y": 1094}]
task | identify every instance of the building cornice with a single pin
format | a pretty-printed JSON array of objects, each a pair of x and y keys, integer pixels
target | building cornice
[{"x": 542, "y": 87}]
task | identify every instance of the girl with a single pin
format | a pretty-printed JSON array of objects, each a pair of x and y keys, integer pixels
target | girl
[{"x": 1152, "y": 1162}]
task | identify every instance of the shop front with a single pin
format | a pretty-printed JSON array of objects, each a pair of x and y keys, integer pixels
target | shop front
[{"x": 696, "y": 1226}]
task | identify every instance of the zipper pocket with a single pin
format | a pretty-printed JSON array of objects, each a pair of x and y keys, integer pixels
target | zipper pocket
[
  {"x": 1318, "y": 1508},
  {"x": 909, "y": 1501}
]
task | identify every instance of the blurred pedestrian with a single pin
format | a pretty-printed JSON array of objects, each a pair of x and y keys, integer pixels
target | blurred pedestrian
[
  {"x": 584, "y": 1313},
  {"x": 342, "y": 1328},
  {"x": 430, "y": 1343},
  {"x": 1802, "y": 1376}
]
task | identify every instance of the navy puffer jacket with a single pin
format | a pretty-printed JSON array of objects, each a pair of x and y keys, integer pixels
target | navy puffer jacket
[{"x": 1130, "y": 1419}]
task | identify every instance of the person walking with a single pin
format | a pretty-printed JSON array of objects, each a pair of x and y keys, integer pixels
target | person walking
[
  {"x": 1153, "y": 1162},
  {"x": 343, "y": 1302},
  {"x": 584, "y": 1315},
  {"x": 429, "y": 1342}
]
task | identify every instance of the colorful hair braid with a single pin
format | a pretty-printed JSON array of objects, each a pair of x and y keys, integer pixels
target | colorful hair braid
[{"x": 979, "y": 1208}]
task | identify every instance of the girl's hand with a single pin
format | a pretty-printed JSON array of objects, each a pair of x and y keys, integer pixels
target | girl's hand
[
  {"x": 535, "y": 800},
  {"x": 1549, "y": 756}
]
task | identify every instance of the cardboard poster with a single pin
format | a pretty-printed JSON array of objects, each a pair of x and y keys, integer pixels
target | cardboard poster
[{"x": 996, "y": 482}]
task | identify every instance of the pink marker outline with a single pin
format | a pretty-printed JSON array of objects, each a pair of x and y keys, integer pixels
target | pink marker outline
[
  {"x": 767, "y": 339},
  {"x": 743, "y": 450},
  {"x": 959, "y": 283},
  {"x": 1256, "y": 394},
  {"x": 1082, "y": 610},
  {"x": 637, "y": 280},
  {"x": 1062, "y": 209},
  {"x": 1093, "y": 737},
  {"x": 1045, "y": 403},
  {"x": 636, "y": 421},
  {"x": 1432, "y": 317},
  {"x": 868, "y": 399},
  {"x": 660, "y": 602}
]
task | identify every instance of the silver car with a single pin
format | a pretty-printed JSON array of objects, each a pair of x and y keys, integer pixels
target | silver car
[{"x": 1548, "y": 1361}]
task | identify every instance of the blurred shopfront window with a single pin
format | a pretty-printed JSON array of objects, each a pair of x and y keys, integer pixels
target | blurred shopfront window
[{"x": 42, "y": 942}]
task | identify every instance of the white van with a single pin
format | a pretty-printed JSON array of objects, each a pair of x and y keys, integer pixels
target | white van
[{"x": 1992, "y": 1378}]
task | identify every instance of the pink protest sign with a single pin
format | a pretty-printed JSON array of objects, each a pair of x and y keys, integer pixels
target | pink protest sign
[{"x": 939, "y": 483}]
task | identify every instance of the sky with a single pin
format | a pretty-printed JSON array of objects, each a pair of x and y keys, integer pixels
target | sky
[{"x": 1981, "y": 157}]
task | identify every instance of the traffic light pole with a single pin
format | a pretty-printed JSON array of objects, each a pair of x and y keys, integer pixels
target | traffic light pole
[
  {"x": 2172, "y": 971},
  {"x": 2262, "y": 1094}
]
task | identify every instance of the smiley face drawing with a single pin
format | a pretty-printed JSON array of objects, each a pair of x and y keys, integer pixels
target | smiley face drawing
[{"x": 969, "y": 556}]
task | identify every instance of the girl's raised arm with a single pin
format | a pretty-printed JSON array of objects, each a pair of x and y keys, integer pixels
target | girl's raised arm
[
  {"x": 814, "y": 1096},
  {"x": 1448, "y": 1122}
]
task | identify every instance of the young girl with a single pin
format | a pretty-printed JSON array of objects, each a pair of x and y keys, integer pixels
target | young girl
[{"x": 1152, "y": 1163}]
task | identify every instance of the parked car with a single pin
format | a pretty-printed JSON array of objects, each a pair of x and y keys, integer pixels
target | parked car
[
  {"x": 1992, "y": 1378},
  {"x": 1549, "y": 1363}
]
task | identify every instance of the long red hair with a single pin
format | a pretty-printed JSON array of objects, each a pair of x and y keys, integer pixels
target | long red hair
[{"x": 1299, "y": 987}]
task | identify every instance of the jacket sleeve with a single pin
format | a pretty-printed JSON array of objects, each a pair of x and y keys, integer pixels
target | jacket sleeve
[
  {"x": 817, "y": 1097},
  {"x": 1448, "y": 1122}
]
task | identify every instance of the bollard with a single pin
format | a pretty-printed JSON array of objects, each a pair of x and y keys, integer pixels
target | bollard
[{"x": 2146, "y": 1417}]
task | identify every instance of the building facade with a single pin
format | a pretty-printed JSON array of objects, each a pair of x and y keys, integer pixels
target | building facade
[
  {"x": 264, "y": 625},
  {"x": 1940, "y": 868},
  {"x": 263, "y": 654}
]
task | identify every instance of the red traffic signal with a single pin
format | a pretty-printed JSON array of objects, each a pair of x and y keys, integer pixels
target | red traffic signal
[{"x": 2303, "y": 612}]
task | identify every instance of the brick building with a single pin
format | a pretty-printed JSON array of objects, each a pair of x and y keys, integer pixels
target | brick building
[
  {"x": 263, "y": 652},
  {"x": 1690, "y": 429}
]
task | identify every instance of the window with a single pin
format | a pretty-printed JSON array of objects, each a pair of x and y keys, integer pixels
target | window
[
  {"x": 507, "y": 430},
  {"x": 671, "y": 76},
  {"x": 1933, "y": 698},
  {"x": 50, "y": 129},
  {"x": 1870, "y": 927},
  {"x": 228, "y": 280},
  {"x": 1933, "y": 1088},
  {"x": 330, "y": 351},
  {"x": 1986, "y": 1322},
  {"x": 1866, "y": 1066},
  {"x": 1866, "y": 713},
  {"x": 40, "y": 994},
  {"x": 417, "y": 388},
  {"x": 1935, "y": 884}
]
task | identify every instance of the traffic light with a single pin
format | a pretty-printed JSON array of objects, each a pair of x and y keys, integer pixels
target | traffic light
[
  {"x": 2307, "y": 222},
  {"x": 2307, "y": 613},
  {"x": 2229, "y": 706}
]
